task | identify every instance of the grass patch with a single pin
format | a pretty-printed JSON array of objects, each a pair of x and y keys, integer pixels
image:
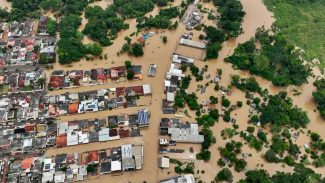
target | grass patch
[
  {"x": 303, "y": 24},
  {"x": 4, "y": 89}
]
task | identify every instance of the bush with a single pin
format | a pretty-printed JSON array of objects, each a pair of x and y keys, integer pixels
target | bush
[
  {"x": 137, "y": 49},
  {"x": 224, "y": 175},
  {"x": 164, "y": 38},
  {"x": 250, "y": 129}
]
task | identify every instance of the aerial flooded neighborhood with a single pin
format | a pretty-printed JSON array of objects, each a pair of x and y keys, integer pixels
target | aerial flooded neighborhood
[{"x": 162, "y": 91}]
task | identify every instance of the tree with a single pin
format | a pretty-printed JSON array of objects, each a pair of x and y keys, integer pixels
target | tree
[
  {"x": 128, "y": 64},
  {"x": 51, "y": 26},
  {"x": 250, "y": 129},
  {"x": 225, "y": 102},
  {"x": 214, "y": 114},
  {"x": 226, "y": 116},
  {"x": 95, "y": 49},
  {"x": 262, "y": 136},
  {"x": 213, "y": 99},
  {"x": 53, "y": 5},
  {"x": 214, "y": 35},
  {"x": 204, "y": 155},
  {"x": 314, "y": 136},
  {"x": 224, "y": 175},
  {"x": 162, "y": 3},
  {"x": 213, "y": 50},
  {"x": 256, "y": 176},
  {"x": 319, "y": 96},
  {"x": 130, "y": 75},
  {"x": 164, "y": 38},
  {"x": 271, "y": 157},
  {"x": 137, "y": 49},
  {"x": 240, "y": 165}
]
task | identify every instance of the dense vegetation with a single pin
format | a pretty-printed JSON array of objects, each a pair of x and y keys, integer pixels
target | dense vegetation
[
  {"x": 70, "y": 46},
  {"x": 215, "y": 38},
  {"x": 230, "y": 152},
  {"x": 302, "y": 22},
  {"x": 231, "y": 16},
  {"x": 279, "y": 110},
  {"x": 162, "y": 20},
  {"x": 276, "y": 60},
  {"x": 249, "y": 84},
  {"x": 133, "y": 8},
  {"x": 301, "y": 174},
  {"x": 100, "y": 21},
  {"x": 319, "y": 96},
  {"x": 23, "y": 9}
]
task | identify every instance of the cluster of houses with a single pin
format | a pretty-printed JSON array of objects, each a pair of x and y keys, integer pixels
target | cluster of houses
[
  {"x": 75, "y": 78},
  {"x": 100, "y": 130},
  {"x": 20, "y": 45},
  {"x": 173, "y": 77},
  {"x": 22, "y": 82},
  {"x": 195, "y": 19},
  {"x": 33, "y": 106},
  {"x": 180, "y": 132},
  {"x": 23, "y": 51},
  {"x": 75, "y": 166}
]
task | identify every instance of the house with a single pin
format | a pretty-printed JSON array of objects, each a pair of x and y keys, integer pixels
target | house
[
  {"x": 152, "y": 70},
  {"x": 59, "y": 177},
  {"x": 47, "y": 177},
  {"x": 103, "y": 134},
  {"x": 128, "y": 162},
  {"x": 116, "y": 166},
  {"x": 27, "y": 164},
  {"x": 163, "y": 162},
  {"x": 93, "y": 157},
  {"x": 105, "y": 167},
  {"x": 187, "y": 178},
  {"x": 186, "y": 134},
  {"x": 179, "y": 59},
  {"x": 194, "y": 44},
  {"x": 143, "y": 117}
]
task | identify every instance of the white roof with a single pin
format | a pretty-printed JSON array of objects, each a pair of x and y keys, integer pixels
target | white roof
[
  {"x": 47, "y": 177},
  {"x": 116, "y": 166},
  {"x": 28, "y": 143},
  {"x": 146, "y": 89},
  {"x": 167, "y": 83},
  {"x": 191, "y": 43},
  {"x": 82, "y": 170},
  {"x": 170, "y": 97},
  {"x": 72, "y": 139},
  {"x": 126, "y": 151},
  {"x": 83, "y": 137},
  {"x": 179, "y": 59},
  {"x": 103, "y": 134},
  {"x": 164, "y": 162},
  {"x": 62, "y": 128},
  {"x": 59, "y": 177}
]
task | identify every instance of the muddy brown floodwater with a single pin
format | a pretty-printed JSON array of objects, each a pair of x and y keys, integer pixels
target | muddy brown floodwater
[
  {"x": 156, "y": 52},
  {"x": 5, "y": 4}
]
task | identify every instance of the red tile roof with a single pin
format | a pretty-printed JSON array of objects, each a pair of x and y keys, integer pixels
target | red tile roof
[
  {"x": 30, "y": 127},
  {"x": 61, "y": 141},
  {"x": 73, "y": 108},
  {"x": 93, "y": 156},
  {"x": 27, "y": 163}
]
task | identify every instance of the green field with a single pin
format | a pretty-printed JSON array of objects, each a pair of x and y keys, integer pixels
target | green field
[{"x": 303, "y": 24}]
